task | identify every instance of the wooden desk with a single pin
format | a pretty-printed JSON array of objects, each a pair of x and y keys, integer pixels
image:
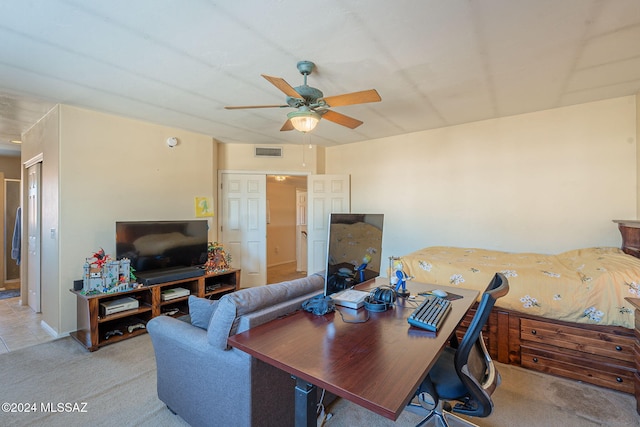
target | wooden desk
[{"x": 377, "y": 364}]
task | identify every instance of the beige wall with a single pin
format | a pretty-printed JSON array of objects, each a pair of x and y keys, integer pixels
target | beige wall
[
  {"x": 10, "y": 166},
  {"x": 300, "y": 159},
  {"x": 548, "y": 181},
  {"x": 637, "y": 151},
  {"x": 113, "y": 168}
]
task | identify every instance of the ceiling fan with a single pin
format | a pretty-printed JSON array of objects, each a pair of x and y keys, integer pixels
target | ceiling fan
[{"x": 310, "y": 103}]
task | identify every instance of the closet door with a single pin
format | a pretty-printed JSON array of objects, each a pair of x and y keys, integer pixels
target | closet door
[
  {"x": 243, "y": 224},
  {"x": 301, "y": 230},
  {"x": 33, "y": 233}
]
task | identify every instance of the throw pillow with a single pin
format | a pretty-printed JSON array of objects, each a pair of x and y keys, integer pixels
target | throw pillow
[{"x": 201, "y": 310}]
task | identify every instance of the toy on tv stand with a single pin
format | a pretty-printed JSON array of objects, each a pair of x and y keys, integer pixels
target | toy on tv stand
[
  {"x": 399, "y": 278},
  {"x": 103, "y": 275},
  {"x": 217, "y": 259}
]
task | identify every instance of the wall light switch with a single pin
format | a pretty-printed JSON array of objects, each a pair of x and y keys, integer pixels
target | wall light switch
[{"x": 53, "y": 233}]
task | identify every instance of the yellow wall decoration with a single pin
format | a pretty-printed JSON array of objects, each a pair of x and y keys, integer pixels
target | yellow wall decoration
[{"x": 204, "y": 207}]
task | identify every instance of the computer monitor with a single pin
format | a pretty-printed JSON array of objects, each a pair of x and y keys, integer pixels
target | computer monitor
[{"x": 354, "y": 250}]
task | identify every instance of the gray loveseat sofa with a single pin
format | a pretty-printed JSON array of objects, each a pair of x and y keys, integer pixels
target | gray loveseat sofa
[{"x": 208, "y": 383}]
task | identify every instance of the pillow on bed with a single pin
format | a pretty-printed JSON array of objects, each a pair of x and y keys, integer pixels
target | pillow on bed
[{"x": 201, "y": 310}]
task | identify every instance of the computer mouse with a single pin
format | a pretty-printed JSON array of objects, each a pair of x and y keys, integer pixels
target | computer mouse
[{"x": 439, "y": 293}]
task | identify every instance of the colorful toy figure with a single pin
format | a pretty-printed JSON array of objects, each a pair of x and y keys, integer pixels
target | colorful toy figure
[
  {"x": 400, "y": 279},
  {"x": 100, "y": 258},
  {"x": 362, "y": 267},
  {"x": 217, "y": 259}
]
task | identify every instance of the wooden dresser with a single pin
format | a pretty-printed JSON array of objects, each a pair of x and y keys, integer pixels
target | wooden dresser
[
  {"x": 606, "y": 356},
  {"x": 636, "y": 304},
  {"x": 630, "y": 232}
]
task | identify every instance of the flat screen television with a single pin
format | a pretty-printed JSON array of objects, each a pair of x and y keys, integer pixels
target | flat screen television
[
  {"x": 354, "y": 250},
  {"x": 160, "y": 245}
]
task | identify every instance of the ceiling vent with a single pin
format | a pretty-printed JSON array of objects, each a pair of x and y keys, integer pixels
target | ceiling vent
[{"x": 268, "y": 151}]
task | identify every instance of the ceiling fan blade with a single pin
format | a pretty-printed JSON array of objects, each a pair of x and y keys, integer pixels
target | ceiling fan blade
[
  {"x": 242, "y": 107},
  {"x": 281, "y": 84},
  {"x": 361, "y": 97},
  {"x": 286, "y": 126},
  {"x": 341, "y": 119}
]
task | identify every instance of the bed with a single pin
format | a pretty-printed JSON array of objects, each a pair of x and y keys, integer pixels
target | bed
[{"x": 565, "y": 314}]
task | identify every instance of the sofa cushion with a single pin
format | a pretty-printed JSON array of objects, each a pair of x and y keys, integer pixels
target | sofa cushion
[
  {"x": 232, "y": 306},
  {"x": 201, "y": 310}
]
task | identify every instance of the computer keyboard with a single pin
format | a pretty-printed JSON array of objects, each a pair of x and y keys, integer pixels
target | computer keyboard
[{"x": 430, "y": 314}]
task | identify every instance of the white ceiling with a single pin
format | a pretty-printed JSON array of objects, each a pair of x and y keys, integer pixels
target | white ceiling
[{"x": 435, "y": 63}]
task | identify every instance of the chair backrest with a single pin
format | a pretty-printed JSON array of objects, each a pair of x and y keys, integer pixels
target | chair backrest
[{"x": 472, "y": 360}]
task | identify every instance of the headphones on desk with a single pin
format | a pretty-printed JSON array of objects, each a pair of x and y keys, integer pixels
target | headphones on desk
[{"x": 380, "y": 299}]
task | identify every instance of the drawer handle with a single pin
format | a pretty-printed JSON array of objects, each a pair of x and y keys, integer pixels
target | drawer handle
[
  {"x": 535, "y": 360},
  {"x": 618, "y": 348},
  {"x": 619, "y": 379},
  {"x": 533, "y": 332}
]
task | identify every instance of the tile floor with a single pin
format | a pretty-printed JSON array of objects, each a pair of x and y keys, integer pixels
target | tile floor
[{"x": 19, "y": 326}]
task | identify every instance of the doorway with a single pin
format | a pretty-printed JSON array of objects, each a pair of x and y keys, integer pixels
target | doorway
[
  {"x": 246, "y": 213},
  {"x": 11, "y": 266},
  {"x": 286, "y": 228}
]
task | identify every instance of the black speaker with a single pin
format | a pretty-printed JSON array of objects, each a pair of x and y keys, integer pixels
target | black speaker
[{"x": 380, "y": 299}]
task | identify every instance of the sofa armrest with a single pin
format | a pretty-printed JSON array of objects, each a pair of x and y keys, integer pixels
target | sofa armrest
[
  {"x": 190, "y": 370},
  {"x": 182, "y": 334},
  {"x": 181, "y": 346}
]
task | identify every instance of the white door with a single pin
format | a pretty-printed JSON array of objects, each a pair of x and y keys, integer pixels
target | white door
[
  {"x": 33, "y": 233},
  {"x": 301, "y": 230},
  {"x": 325, "y": 194},
  {"x": 243, "y": 225}
]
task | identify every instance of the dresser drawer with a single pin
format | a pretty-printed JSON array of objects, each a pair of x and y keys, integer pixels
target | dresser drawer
[
  {"x": 588, "y": 341},
  {"x": 593, "y": 369}
]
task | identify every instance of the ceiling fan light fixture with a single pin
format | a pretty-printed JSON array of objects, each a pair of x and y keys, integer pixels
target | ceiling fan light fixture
[{"x": 304, "y": 120}]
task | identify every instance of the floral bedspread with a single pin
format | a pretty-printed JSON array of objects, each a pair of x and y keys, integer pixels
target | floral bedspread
[{"x": 583, "y": 285}]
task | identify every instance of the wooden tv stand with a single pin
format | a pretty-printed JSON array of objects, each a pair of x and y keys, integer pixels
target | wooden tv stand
[{"x": 93, "y": 327}]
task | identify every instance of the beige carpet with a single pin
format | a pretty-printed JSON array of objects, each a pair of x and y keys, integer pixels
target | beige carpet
[
  {"x": 525, "y": 398},
  {"x": 116, "y": 382},
  {"x": 118, "y": 385}
]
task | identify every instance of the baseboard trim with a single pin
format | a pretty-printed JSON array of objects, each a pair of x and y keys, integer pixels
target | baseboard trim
[
  {"x": 48, "y": 329},
  {"x": 281, "y": 263}
]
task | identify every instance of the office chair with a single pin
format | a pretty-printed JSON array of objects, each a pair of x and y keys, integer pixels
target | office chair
[
  {"x": 465, "y": 374},
  {"x": 495, "y": 282}
]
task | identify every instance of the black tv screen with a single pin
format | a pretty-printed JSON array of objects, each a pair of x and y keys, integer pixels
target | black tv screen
[
  {"x": 354, "y": 250},
  {"x": 155, "y": 245}
]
